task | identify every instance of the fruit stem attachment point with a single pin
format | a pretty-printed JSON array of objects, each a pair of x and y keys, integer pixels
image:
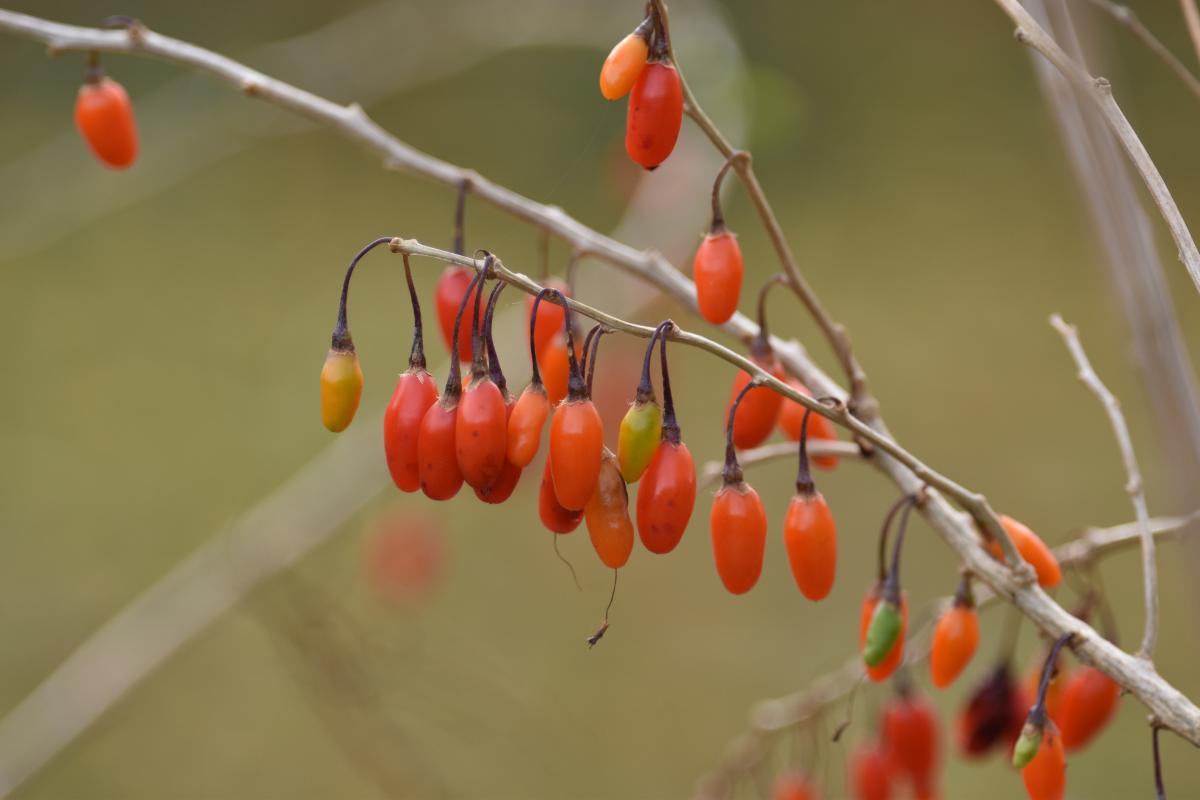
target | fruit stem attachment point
[
  {"x": 1037, "y": 714},
  {"x": 341, "y": 341},
  {"x": 453, "y": 388},
  {"x": 804, "y": 482},
  {"x": 732, "y": 471},
  {"x": 645, "y": 388},
  {"x": 760, "y": 345},
  {"x": 885, "y": 530},
  {"x": 717, "y": 226},
  {"x": 478, "y": 351},
  {"x": 891, "y": 586},
  {"x": 416, "y": 357},
  {"x": 670, "y": 426},
  {"x": 495, "y": 372}
]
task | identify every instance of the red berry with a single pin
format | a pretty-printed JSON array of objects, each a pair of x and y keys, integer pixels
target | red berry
[
  {"x": 1089, "y": 700},
  {"x": 791, "y": 416},
  {"x": 954, "y": 641},
  {"x": 655, "y": 115},
  {"x": 870, "y": 777},
  {"x": 448, "y": 297},
  {"x": 481, "y": 433},
  {"x": 911, "y": 738},
  {"x": 739, "y": 535},
  {"x": 576, "y": 445},
  {"x": 104, "y": 116},
  {"x": 666, "y": 497},
  {"x": 415, "y": 392},
  {"x": 810, "y": 536},
  {"x": 554, "y": 516},
  {"x": 1045, "y": 776},
  {"x": 717, "y": 271},
  {"x": 759, "y": 411}
]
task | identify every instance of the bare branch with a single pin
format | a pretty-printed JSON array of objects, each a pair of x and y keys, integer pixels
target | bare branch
[
  {"x": 1192, "y": 16},
  {"x": 1126, "y": 18},
  {"x": 1133, "y": 487},
  {"x": 1099, "y": 91}
]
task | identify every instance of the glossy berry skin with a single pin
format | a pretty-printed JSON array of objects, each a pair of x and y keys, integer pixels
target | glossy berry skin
[
  {"x": 555, "y": 366},
  {"x": 739, "y": 536},
  {"x": 666, "y": 497},
  {"x": 576, "y": 446},
  {"x": 759, "y": 410},
  {"x": 510, "y": 476},
  {"x": 810, "y": 537},
  {"x": 954, "y": 641},
  {"x": 1089, "y": 700},
  {"x": 794, "y": 787},
  {"x": 1045, "y": 776},
  {"x": 341, "y": 389},
  {"x": 607, "y": 516},
  {"x": 553, "y": 515},
  {"x": 525, "y": 425},
  {"x": 104, "y": 117},
  {"x": 911, "y": 738},
  {"x": 437, "y": 459},
  {"x": 655, "y": 115},
  {"x": 717, "y": 271},
  {"x": 481, "y": 433},
  {"x": 550, "y": 316},
  {"x": 623, "y": 66},
  {"x": 895, "y": 655},
  {"x": 791, "y": 417},
  {"x": 447, "y": 297},
  {"x": 638, "y": 438},
  {"x": 1032, "y": 549},
  {"x": 870, "y": 776},
  {"x": 415, "y": 392}
]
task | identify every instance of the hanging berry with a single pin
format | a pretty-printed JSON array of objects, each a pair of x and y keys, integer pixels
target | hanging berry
[
  {"x": 607, "y": 515},
  {"x": 667, "y": 493},
  {"x": 911, "y": 738},
  {"x": 104, "y": 117},
  {"x": 1054, "y": 692},
  {"x": 626, "y": 62},
  {"x": 481, "y": 425},
  {"x": 1032, "y": 549},
  {"x": 1038, "y": 752},
  {"x": 503, "y": 487},
  {"x": 717, "y": 269},
  {"x": 955, "y": 637},
  {"x": 884, "y": 621},
  {"x": 549, "y": 323},
  {"x": 341, "y": 375},
  {"x": 641, "y": 427},
  {"x": 870, "y": 776},
  {"x": 809, "y": 532},
  {"x": 554, "y": 516},
  {"x": 453, "y": 286},
  {"x": 760, "y": 411},
  {"x": 993, "y": 715},
  {"x": 437, "y": 456},
  {"x": 555, "y": 364},
  {"x": 415, "y": 392},
  {"x": 576, "y": 435},
  {"x": 738, "y": 522},
  {"x": 529, "y": 416},
  {"x": 1088, "y": 703},
  {"x": 791, "y": 422},
  {"x": 655, "y": 108}
]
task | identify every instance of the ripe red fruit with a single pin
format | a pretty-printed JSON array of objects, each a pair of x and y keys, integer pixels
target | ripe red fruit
[
  {"x": 555, "y": 365},
  {"x": 550, "y": 317},
  {"x": 1089, "y": 700},
  {"x": 910, "y": 734},
  {"x": 607, "y": 515},
  {"x": 954, "y": 638},
  {"x": 717, "y": 271},
  {"x": 415, "y": 392},
  {"x": 791, "y": 415},
  {"x": 481, "y": 433},
  {"x": 104, "y": 117},
  {"x": 760, "y": 409},
  {"x": 869, "y": 777},
  {"x": 576, "y": 445},
  {"x": 739, "y": 535},
  {"x": 448, "y": 296},
  {"x": 655, "y": 114},
  {"x": 554, "y": 516},
  {"x": 1045, "y": 776}
]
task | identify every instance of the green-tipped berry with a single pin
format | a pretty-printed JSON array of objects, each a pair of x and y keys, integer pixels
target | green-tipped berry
[
  {"x": 1027, "y": 745},
  {"x": 881, "y": 632}
]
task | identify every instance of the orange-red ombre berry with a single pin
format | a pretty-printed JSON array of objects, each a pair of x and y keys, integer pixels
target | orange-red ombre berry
[
  {"x": 626, "y": 62},
  {"x": 717, "y": 271},
  {"x": 810, "y": 537},
  {"x": 883, "y": 670},
  {"x": 1045, "y": 777},
  {"x": 104, "y": 117},
  {"x": 607, "y": 515},
  {"x": 955, "y": 638},
  {"x": 790, "y": 415},
  {"x": 739, "y": 536},
  {"x": 1088, "y": 702},
  {"x": 1032, "y": 549}
]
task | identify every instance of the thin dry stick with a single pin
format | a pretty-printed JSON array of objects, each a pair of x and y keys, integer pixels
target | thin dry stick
[
  {"x": 711, "y": 471},
  {"x": 1125, "y": 16},
  {"x": 1133, "y": 486},
  {"x": 769, "y": 718},
  {"x": 1192, "y": 15},
  {"x": 861, "y": 402},
  {"x": 958, "y": 530},
  {"x": 1099, "y": 91}
]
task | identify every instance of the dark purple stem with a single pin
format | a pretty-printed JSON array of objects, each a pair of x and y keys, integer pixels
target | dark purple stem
[{"x": 341, "y": 331}]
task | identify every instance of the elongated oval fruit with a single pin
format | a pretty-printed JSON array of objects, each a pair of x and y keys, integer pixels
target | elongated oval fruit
[
  {"x": 883, "y": 668},
  {"x": 911, "y": 738},
  {"x": 525, "y": 425},
  {"x": 810, "y": 537},
  {"x": 717, "y": 271},
  {"x": 341, "y": 389},
  {"x": 415, "y": 392},
  {"x": 554, "y": 364},
  {"x": 1045, "y": 776},
  {"x": 624, "y": 64},
  {"x": 1032, "y": 549},
  {"x": 481, "y": 433},
  {"x": 506, "y": 484},
  {"x": 666, "y": 497},
  {"x": 791, "y": 417},
  {"x": 739, "y": 535},
  {"x": 437, "y": 460},
  {"x": 448, "y": 296},
  {"x": 870, "y": 777},
  {"x": 655, "y": 115},
  {"x": 104, "y": 117},
  {"x": 1089, "y": 701},
  {"x": 607, "y": 515},
  {"x": 759, "y": 410},
  {"x": 576, "y": 445},
  {"x": 954, "y": 641},
  {"x": 637, "y": 439},
  {"x": 550, "y": 511},
  {"x": 551, "y": 316}
]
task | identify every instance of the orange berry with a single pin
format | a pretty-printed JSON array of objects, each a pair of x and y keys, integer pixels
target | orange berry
[
  {"x": 607, "y": 515},
  {"x": 1032, "y": 549},
  {"x": 1088, "y": 702},
  {"x": 739, "y": 535},
  {"x": 888, "y": 665},
  {"x": 625, "y": 63},
  {"x": 760, "y": 409},
  {"x": 1045, "y": 776},
  {"x": 576, "y": 445},
  {"x": 954, "y": 641},
  {"x": 104, "y": 117},
  {"x": 717, "y": 271},
  {"x": 810, "y": 536},
  {"x": 791, "y": 416},
  {"x": 553, "y": 515},
  {"x": 870, "y": 777}
]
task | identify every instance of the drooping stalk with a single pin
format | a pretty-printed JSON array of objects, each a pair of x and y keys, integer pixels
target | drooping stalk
[{"x": 341, "y": 340}]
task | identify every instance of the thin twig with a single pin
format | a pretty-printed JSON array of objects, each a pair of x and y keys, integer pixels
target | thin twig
[
  {"x": 711, "y": 472},
  {"x": 1099, "y": 91},
  {"x": 1126, "y": 18},
  {"x": 1134, "y": 487},
  {"x": 1192, "y": 15}
]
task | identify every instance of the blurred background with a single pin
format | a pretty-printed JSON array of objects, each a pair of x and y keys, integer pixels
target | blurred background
[{"x": 166, "y": 326}]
